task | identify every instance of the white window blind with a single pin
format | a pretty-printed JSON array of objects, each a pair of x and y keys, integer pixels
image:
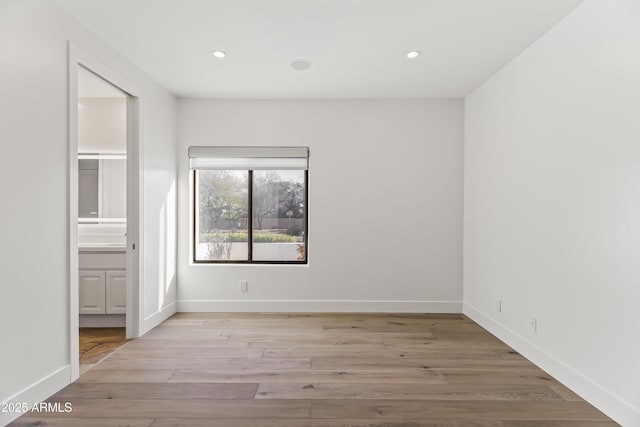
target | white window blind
[{"x": 249, "y": 158}]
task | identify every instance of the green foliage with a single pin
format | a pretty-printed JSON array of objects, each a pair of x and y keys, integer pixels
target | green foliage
[
  {"x": 273, "y": 238},
  {"x": 223, "y": 198},
  {"x": 294, "y": 230},
  {"x": 242, "y": 237},
  {"x": 239, "y": 236},
  {"x": 276, "y": 197}
]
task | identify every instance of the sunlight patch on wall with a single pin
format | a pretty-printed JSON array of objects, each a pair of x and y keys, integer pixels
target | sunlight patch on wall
[{"x": 171, "y": 237}]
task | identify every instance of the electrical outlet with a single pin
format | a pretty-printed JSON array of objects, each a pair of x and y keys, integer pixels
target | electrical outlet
[
  {"x": 534, "y": 325},
  {"x": 499, "y": 306},
  {"x": 244, "y": 286}
]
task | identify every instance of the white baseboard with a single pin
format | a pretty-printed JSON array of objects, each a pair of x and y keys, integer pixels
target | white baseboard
[
  {"x": 320, "y": 306},
  {"x": 158, "y": 317},
  {"x": 607, "y": 402},
  {"x": 37, "y": 392},
  {"x": 102, "y": 321}
]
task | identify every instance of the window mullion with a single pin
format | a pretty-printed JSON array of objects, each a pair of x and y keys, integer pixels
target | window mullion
[
  {"x": 196, "y": 214},
  {"x": 250, "y": 219}
]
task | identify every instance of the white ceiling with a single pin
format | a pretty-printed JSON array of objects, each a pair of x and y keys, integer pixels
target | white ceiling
[{"x": 357, "y": 47}]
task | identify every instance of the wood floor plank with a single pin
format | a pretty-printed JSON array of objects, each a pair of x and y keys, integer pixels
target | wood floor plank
[
  {"x": 127, "y": 375},
  {"x": 318, "y": 370},
  {"x": 187, "y": 343},
  {"x": 383, "y": 353},
  {"x": 219, "y": 352},
  {"x": 189, "y": 408},
  {"x": 251, "y": 325},
  {"x": 252, "y": 376},
  {"x": 565, "y": 393},
  {"x": 272, "y": 340},
  {"x": 460, "y": 345},
  {"x": 176, "y": 321},
  {"x": 307, "y": 422},
  {"x": 32, "y": 421},
  {"x": 411, "y": 391},
  {"x": 229, "y": 316},
  {"x": 458, "y": 409},
  {"x": 155, "y": 391},
  {"x": 143, "y": 343},
  {"x": 203, "y": 364},
  {"x": 373, "y": 362},
  {"x": 192, "y": 333},
  {"x": 498, "y": 375},
  {"x": 392, "y": 345},
  {"x": 564, "y": 423}
]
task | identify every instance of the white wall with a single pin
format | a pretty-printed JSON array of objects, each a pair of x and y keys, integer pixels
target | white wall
[
  {"x": 552, "y": 204},
  {"x": 385, "y": 205},
  {"x": 34, "y": 299},
  {"x": 159, "y": 211}
]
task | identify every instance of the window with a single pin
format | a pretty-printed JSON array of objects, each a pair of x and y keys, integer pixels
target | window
[{"x": 250, "y": 204}]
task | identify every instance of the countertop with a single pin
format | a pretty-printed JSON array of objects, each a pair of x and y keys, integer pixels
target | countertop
[{"x": 101, "y": 247}]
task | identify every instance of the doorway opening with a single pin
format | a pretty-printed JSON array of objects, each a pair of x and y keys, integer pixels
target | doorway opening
[
  {"x": 102, "y": 217},
  {"x": 104, "y": 211}
]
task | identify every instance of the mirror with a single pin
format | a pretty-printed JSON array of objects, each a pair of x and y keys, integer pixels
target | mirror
[
  {"x": 102, "y": 144},
  {"x": 102, "y": 189}
]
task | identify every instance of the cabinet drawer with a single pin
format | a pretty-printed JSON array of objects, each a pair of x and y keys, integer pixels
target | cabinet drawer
[{"x": 103, "y": 261}]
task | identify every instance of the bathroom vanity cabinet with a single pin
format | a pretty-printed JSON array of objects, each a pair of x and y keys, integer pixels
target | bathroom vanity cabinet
[{"x": 103, "y": 285}]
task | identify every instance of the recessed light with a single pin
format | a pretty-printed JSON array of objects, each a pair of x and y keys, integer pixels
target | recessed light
[
  {"x": 301, "y": 64},
  {"x": 219, "y": 53},
  {"x": 413, "y": 54}
]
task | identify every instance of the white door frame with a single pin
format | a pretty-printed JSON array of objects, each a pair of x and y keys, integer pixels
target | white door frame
[{"x": 134, "y": 199}]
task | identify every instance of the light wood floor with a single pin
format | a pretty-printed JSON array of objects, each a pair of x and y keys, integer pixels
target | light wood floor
[{"x": 320, "y": 370}]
